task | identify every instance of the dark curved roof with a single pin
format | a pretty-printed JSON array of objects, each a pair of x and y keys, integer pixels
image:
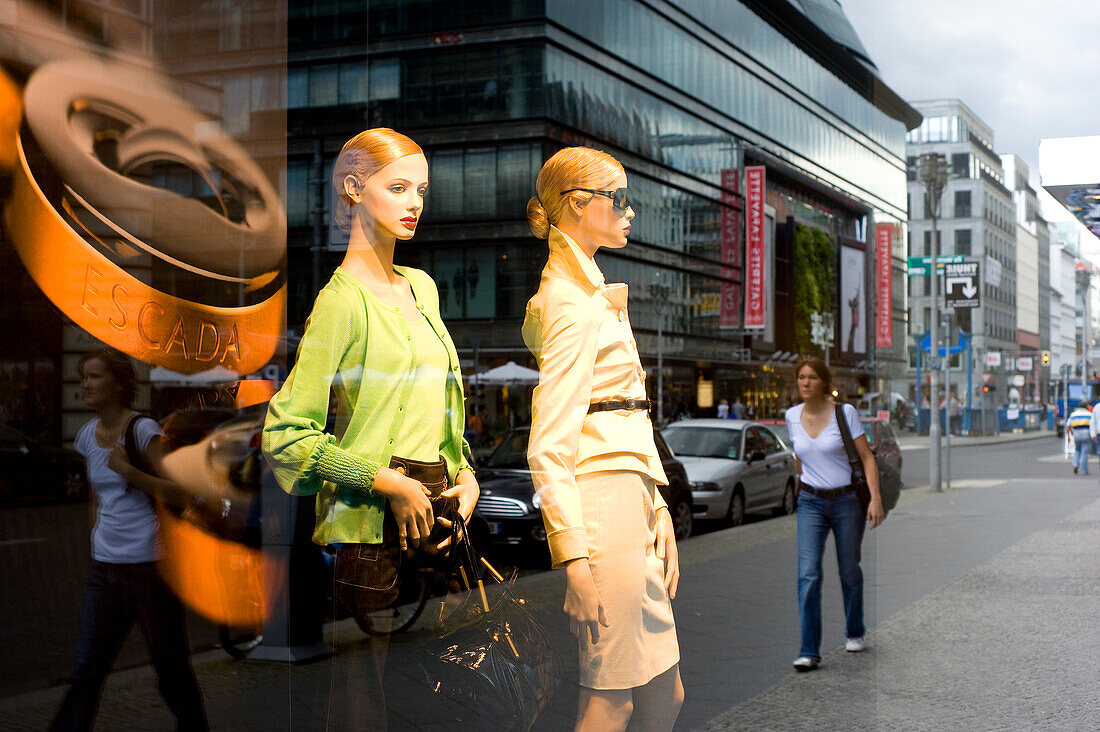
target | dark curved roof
[{"x": 830, "y": 18}]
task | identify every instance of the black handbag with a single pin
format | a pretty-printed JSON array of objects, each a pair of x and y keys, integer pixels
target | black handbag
[
  {"x": 889, "y": 479},
  {"x": 490, "y": 656}
]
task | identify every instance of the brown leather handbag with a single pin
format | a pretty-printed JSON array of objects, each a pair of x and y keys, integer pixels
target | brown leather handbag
[{"x": 368, "y": 576}]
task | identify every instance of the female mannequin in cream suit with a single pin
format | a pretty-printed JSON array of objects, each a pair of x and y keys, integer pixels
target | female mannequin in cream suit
[{"x": 592, "y": 455}]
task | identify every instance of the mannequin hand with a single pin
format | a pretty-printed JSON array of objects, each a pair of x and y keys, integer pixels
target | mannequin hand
[
  {"x": 467, "y": 491},
  {"x": 409, "y": 503},
  {"x": 582, "y": 601},
  {"x": 666, "y": 549},
  {"x": 875, "y": 513},
  {"x": 119, "y": 461}
]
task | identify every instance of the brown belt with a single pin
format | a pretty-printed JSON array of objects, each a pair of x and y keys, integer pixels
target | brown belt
[
  {"x": 827, "y": 493},
  {"x": 631, "y": 404}
]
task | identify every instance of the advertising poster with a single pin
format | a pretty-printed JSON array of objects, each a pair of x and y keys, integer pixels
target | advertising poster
[
  {"x": 853, "y": 331},
  {"x": 755, "y": 290},
  {"x": 730, "y": 309},
  {"x": 884, "y": 321}
]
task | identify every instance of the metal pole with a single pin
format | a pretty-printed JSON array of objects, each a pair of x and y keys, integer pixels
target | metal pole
[
  {"x": 318, "y": 181},
  {"x": 947, "y": 399},
  {"x": 660, "y": 366},
  {"x": 933, "y": 372},
  {"x": 1085, "y": 349},
  {"x": 916, "y": 417},
  {"x": 968, "y": 426}
]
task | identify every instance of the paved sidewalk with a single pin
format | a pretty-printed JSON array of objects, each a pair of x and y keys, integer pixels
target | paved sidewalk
[
  {"x": 982, "y": 608},
  {"x": 1009, "y": 645},
  {"x": 910, "y": 441}
]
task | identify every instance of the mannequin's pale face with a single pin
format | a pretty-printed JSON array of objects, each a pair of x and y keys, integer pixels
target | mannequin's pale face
[
  {"x": 601, "y": 224},
  {"x": 391, "y": 201}
]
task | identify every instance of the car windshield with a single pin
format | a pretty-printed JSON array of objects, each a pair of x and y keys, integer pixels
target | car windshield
[
  {"x": 712, "y": 442},
  {"x": 510, "y": 454}
]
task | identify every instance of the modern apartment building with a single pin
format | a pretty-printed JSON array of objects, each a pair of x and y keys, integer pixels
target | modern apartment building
[
  {"x": 1033, "y": 293},
  {"x": 977, "y": 218}
]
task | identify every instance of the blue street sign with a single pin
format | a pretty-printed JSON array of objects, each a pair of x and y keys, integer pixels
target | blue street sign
[{"x": 926, "y": 345}]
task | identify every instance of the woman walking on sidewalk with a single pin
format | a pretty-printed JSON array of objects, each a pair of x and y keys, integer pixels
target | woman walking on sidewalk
[
  {"x": 123, "y": 584},
  {"x": 828, "y": 502},
  {"x": 592, "y": 455}
]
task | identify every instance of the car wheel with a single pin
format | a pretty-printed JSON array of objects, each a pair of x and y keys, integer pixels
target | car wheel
[
  {"x": 787, "y": 507},
  {"x": 682, "y": 521},
  {"x": 735, "y": 516},
  {"x": 75, "y": 486}
]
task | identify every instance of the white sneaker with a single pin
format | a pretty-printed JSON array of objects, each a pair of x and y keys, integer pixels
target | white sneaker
[
  {"x": 805, "y": 663},
  {"x": 854, "y": 645}
]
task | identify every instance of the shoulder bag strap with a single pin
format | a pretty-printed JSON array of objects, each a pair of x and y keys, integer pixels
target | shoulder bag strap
[{"x": 849, "y": 443}]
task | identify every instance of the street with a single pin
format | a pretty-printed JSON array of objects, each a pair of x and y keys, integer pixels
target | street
[{"x": 981, "y": 606}]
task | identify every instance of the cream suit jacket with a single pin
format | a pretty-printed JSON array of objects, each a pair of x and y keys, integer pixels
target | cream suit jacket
[{"x": 577, "y": 327}]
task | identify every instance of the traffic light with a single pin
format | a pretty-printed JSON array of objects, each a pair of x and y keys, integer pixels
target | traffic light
[{"x": 1046, "y": 358}]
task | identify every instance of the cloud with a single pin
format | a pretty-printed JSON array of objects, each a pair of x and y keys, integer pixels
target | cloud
[{"x": 1025, "y": 68}]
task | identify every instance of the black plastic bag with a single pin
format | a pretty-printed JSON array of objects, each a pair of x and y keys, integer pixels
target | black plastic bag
[{"x": 493, "y": 659}]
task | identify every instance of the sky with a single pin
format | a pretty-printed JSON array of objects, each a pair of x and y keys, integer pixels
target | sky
[{"x": 1026, "y": 68}]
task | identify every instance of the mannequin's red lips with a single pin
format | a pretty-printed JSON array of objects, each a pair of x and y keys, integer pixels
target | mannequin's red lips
[{"x": 409, "y": 222}]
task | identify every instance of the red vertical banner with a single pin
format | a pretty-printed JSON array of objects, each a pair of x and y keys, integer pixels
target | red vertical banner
[
  {"x": 884, "y": 320},
  {"x": 754, "y": 247},
  {"x": 729, "y": 315}
]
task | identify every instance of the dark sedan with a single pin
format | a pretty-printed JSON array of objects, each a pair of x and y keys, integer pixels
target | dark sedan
[
  {"x": 510, "y": 507},
  {"x": 33, "y": 472}
]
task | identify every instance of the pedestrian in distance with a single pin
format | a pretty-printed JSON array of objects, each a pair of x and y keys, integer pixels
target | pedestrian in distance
[
  {"x": 737, "y": 409},
  {"x": 375, "y": 337},
  {"x": 723, "y": 411},
  {"x": 827, "y": 502},
  {"x": 1079, "y": 427},
  {"x": 592, "y": 455},
  {"x": 123, "y": 585}
]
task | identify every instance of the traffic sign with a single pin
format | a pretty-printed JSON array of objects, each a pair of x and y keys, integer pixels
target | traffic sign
[
  {"x": 1024, "y": 363},
  {"x": 993, "y": 359},
  {"x": 961, "y": 285},
  {"x": 918, "y": 266}
]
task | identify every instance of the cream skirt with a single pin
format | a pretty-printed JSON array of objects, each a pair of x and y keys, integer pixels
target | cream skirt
[{"x": 640, "y": 640}]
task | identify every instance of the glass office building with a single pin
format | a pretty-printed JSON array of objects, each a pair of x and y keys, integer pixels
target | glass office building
[{"x": 684, "y": 93}]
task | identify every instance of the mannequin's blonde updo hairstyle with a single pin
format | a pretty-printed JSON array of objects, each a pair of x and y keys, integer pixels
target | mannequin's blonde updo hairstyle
[
  {"x": 363, "y": 156},
  {"x": 571, "y": 167}
]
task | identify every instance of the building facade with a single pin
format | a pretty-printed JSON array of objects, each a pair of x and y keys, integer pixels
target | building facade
[
  {"x": 686, "y": 93},
  {"x": 976, "y": 219}
]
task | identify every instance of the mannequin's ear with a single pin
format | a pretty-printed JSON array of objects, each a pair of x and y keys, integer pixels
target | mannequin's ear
[
  {"x": 352, "y": 189},
  {"x": 574, "y": 207}
]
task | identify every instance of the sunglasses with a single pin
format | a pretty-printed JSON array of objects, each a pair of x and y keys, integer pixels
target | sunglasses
[{"x": 619, "y": 197}]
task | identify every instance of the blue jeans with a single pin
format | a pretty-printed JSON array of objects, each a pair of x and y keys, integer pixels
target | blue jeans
[
  {"x": 115, "y": 596},
  {"x": 846, "y": 519},
  {"x": 1082, "y": 446}
]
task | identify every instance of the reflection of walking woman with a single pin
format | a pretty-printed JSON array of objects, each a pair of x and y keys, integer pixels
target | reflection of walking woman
[
  {"x": 123, "y": 584},
  {"x": 827, "y": 502},
  {"x": 376, "y": 339},
  {"x": 592, "y": 454}
]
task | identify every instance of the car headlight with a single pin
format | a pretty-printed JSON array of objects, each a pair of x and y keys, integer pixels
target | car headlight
[
  {"x": 536, "y": 500},
  {"x": 705, "y": 486}
]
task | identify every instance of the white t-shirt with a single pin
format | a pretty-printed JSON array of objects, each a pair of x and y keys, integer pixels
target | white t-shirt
[
  {"x": 824, "y": 460},
  {"x": 126, "y": 524}
]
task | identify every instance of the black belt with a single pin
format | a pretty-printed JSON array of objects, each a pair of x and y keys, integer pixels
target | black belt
[
  {"x": 631, "y": 404},
  {"x": 827, "y": 493}
]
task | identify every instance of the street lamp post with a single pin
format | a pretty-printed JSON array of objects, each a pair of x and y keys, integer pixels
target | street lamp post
[
  {"x": 933, "y": 174},
  {"x": 1083, "y": 275},
  {"x": 660, "y": 293}
]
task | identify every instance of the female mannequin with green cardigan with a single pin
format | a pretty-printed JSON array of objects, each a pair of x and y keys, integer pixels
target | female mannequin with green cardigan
[{"x": 375, "y": 338}]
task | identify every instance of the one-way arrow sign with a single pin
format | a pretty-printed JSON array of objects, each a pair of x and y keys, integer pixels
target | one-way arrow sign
[{"x": 962, "y": 285}]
